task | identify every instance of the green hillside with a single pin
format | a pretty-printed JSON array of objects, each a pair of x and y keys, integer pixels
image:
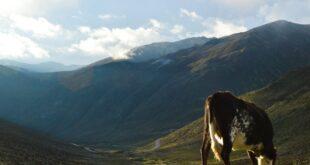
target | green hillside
[{"x": 287, "y": 102}]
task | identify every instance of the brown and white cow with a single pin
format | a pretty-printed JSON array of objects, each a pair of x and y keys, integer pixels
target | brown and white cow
[{"x": 233, "y": 124}]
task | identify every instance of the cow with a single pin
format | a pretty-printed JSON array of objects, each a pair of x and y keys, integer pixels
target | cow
[{"x": 233, "y": 124}]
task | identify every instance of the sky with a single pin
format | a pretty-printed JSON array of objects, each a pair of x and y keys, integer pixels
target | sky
[{"x": 84, "y": 31}]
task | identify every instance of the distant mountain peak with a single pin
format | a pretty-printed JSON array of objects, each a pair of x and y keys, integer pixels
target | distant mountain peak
[
  {"x": 159, "y": 49},
  {"x": 279, "y": 24}
]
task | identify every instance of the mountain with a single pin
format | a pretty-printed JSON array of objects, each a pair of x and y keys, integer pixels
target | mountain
[
  {"x": 101, "y": 62},
  {"x": 156, "y": 50},
  {"x": 40, "y": 67},
  {"x": 287, "y": 102},
  {"x": 127, "y": 103}
]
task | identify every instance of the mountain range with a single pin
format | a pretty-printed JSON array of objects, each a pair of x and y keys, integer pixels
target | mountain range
[
  {"x": 40, "y": 67},
  {"x": 125, "y": 103}
]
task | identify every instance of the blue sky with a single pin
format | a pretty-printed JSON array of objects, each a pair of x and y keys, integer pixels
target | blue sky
[{"x": 83, "y": 31}]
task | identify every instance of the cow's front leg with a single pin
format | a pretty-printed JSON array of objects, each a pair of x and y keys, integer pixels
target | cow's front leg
[
  {"x": 226, "y": 150},
  {"x": 252, "y": 156}
]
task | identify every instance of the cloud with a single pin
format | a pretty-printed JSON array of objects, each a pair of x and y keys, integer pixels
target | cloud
[
  {"x": 156, "y": 24},
  {"x": 84, "y": 29},
  {"x": 291, "y": 10},
  {"x": 38, "y": 27},
  {"x": 14, "y": 46},
  {"x": 115, "y": 42},
  {"x": 191, "y": 14},
  {"x": 177, "y": 29},
  {"x": 110, "y": 16},
  {"x": 105, "y": 16},
  {"x": 219, "y": 28}
]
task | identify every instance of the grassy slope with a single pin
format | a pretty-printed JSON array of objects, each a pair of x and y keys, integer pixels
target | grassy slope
[
  {"x": 287, "y": 102},
  {"x": 21, "y": 146}
]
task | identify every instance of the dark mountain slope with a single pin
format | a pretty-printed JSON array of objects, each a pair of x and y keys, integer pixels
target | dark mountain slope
[
  {"x": 125, "y": 102},
  {"x": 287, "y": 102}
]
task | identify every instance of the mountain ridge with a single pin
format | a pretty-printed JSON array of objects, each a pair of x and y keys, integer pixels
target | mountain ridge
[
  {"x": 159, "y": 49},
  {"x": 49, "y": 66}
]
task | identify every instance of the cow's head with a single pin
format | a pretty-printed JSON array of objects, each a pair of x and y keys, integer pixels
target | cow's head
[{"x": 268, "y": 157}]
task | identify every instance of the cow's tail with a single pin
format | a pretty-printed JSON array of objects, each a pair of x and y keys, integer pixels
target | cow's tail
[
  {"x": 207, "y": 115},
  {"x": 206, "y": 145},
  {"x": 209, "y": 105}
]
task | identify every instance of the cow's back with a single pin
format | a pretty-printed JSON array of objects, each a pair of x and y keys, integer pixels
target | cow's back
[{"x": 247, "y": 125}]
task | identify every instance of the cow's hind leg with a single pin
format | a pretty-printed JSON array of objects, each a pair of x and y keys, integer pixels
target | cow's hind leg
[
  {"x": 205, "y": 149},
  {"x": 252, "y": 156},
  {"x": 226, "y": 150}
]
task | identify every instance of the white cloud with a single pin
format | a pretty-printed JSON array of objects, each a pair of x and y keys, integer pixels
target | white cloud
[
  {"x": 84, "y": 29},
  {"x": 156, "y": 24},
  {"x": 14, "y": 46},
  {"x": 291, "y": 10},
  {"x": 115, "y": 42},
  {"x": 219, "y": 28},
  {"x": 191, "y": 14},
  {"x": 38, "y": 27},
  {"x": 110, "y": 16},
  {"x": 177, "y": 29},
  {"x": 105, "y": 16}
]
